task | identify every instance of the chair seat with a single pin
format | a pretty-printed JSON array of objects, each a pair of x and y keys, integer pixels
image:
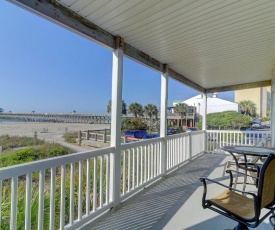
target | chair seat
[{"x": 236, "y": 203}]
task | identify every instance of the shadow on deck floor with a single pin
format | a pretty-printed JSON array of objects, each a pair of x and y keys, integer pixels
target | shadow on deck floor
[{"x": 174, "y": 203}]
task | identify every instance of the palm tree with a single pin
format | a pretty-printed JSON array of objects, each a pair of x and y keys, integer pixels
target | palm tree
[
  {"x": 109, "y": 106},
  {"x": 181, "y": 109},
  {"x": 123, "y": 109},
  {"x": 247, "y": 107},
  {"x": 151, "y": 110},
  {"x": 136, "y": 109}
]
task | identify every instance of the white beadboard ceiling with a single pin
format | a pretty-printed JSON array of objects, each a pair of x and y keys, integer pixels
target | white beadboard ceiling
[{"x": 213, "y": 43}]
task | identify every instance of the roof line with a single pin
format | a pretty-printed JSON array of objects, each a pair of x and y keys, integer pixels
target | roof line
[
  {"x": 239, "y": 86},
  {"x": 59, "y": 14}
]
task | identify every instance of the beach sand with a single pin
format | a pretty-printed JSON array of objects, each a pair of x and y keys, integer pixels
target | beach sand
[{"x": 51, "y": 132}]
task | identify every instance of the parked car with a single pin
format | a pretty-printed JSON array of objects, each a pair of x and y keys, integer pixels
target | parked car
[
  {"x": 171, "y": 131},
  {"x": 135, "y": 134},
  {"x": 256, "y": 125},
  {"x": 192, "y": 129},
  {"x": 150, "y": 136}
]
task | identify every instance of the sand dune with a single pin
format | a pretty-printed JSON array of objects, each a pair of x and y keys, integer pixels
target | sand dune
[{"x": 51, "y": 132}]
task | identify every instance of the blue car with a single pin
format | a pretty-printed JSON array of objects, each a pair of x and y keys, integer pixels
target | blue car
[
  {"x": 150, "y": 136},
  {"x": 135, "y": 134},
  {"x": 171, "y": 131}
]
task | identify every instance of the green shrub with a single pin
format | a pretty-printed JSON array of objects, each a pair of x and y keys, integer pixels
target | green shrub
[
  {"x": 9, "y": 142},
  {"x": 70, "y": 137},
  {"x": 133, "y": 124},
  {"x": 47, "y": 150}
]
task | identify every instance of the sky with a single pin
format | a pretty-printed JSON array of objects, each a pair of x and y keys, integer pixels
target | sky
[{"x": 48, "y": 69}]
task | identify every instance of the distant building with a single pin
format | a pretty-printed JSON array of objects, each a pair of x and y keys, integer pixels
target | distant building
[
  {"x": 196, "y": 106},
  {"x": 260, "y": 96},
  {"x": 214, "y": 104},
  {"x": 186, "y": 120}
]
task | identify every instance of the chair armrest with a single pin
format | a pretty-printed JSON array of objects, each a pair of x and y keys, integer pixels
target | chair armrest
[
  {"x": 237, "y": 172},
  {"x": 248, "y": 165},
  {"x": 204, "y": 179}
]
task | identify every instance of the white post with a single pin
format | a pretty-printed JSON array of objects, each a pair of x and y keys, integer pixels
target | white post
[
  {"x": 163, "y": 119},
  {"x": 204, "y": 99},
  {"x": 272, "y": 120},
  {"x": 117, "y": 76}
]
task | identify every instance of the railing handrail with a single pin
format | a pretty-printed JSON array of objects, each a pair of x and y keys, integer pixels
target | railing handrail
[
  {"x": 142, "y": 142},
  {"x": 238, "y": 131},
  {"x": 22, "y": 169},
  {"x": 197, "y": 132}
]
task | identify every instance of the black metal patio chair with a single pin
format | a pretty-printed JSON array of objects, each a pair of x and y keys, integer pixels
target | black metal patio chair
[{"x": 245, "y": 207}]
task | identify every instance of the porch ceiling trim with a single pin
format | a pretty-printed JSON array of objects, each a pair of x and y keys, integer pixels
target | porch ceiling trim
[
  {"x": 57, "y": 13},
  {"x": 240, "y": 86}
]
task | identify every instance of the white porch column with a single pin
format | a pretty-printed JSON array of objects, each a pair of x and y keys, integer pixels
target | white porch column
[
  {"x": 204, "y": 99},
  {"x": 116, "y": 125},
  {"x": 163, "y": 118},
  {"x": 272, "y": 119}
]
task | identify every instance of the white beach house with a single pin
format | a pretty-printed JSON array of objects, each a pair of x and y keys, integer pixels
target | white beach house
[{"x": 214, "y": 104}]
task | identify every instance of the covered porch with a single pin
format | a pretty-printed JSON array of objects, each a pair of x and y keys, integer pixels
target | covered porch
[
  {"x": 175, "y": 202},
  {"x": 212, "y": 46}
]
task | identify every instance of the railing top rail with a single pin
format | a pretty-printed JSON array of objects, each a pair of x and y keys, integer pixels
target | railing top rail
[
  {"x": 177, "y": 135},
  {"x": 196, "y": 132},
  {"x": 238, "y": 131},
  {"x": 23, "y": 169},
  {"x": 184, "y": 134},
  {"x": 142, "y": 142}
]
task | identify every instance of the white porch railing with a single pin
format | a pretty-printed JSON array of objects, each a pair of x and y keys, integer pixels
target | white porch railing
[
  {"x": 181, "y": 147},
  {"x": 140, "y": 165},
  {"x": 216, "y": 139},
  {"x": 65, "y": 192},
  {"x": 61, "y": 192}
]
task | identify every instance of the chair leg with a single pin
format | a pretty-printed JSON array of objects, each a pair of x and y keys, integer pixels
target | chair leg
[
  {"x": 245, "y": 181},
  {"x": 272, "y": 220},
  {"x": 236, "y": 177},
  {"x": 241, "y": 227}
]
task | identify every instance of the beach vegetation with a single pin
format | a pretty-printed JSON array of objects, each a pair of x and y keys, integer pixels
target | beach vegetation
[
  {"x": 151, "y": 111},
  {"x": 11, "y": 142},
  {"x": 136, "y": 109},
  {"x": 247, "y": 108},
  {"x": 70, "y": 137},
  {"x": 133, "y": 124},
  {"x": 123, "y": 108},
  {"x": 19, "y": 156},
  {"x": 181, "y": 109},
  {"x": 226, "y": 120}
]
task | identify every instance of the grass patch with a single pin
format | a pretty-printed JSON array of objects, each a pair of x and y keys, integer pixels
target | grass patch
[
  {"x": 10, "y": 142},
  {"x": 32, "y": 149},
  {"x": 70, "y": 137},
  {"x": 46, "y": 150}
]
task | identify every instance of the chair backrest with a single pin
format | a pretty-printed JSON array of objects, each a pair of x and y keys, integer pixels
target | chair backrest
[{"x": 266, "y": 190}]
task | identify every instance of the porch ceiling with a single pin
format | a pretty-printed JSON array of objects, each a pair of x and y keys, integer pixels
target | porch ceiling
[{"x": 209, "y": 45}]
